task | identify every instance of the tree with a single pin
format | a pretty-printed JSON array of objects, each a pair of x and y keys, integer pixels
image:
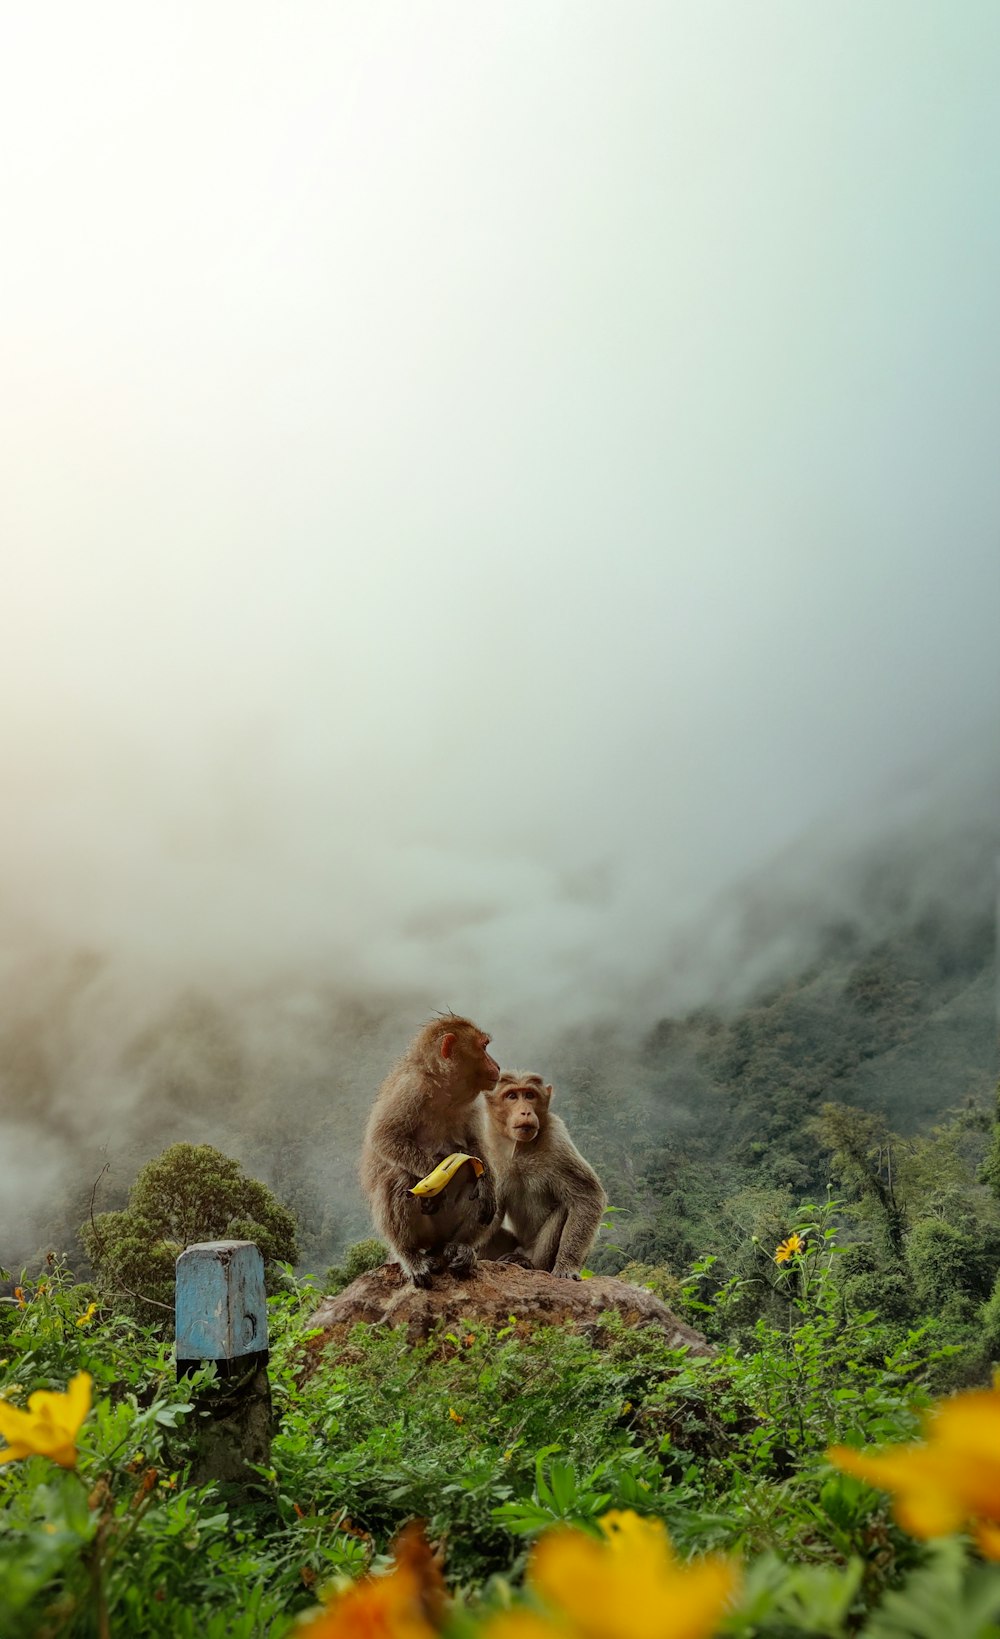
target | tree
[
  {"x": 190, "y": 1193},
  {"x": 862, "y": 1155},
  {"x": 991, "y": 1166}
]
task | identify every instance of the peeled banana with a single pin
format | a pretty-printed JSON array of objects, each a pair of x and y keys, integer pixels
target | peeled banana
[{"x": 444, "y": 1172}]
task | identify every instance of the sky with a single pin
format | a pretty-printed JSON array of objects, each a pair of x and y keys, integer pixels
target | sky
[{"x": 477, "y": 483}]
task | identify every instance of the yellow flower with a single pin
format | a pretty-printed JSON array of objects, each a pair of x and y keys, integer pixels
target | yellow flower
[
  {"x": 630, "y": 1586},
  {"x": 950, "y": 1480},
  {"x": 405, "y": 1604},
  {"x": 19, "y": 1297},
  {"x": 455, "y": 1416},
  {"x": 50, "y": 1425},
  {"x": 788, "y": 1248},
  {"x": 87, "y": 1315}
]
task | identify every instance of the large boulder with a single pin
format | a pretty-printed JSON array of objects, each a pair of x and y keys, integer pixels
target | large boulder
[{"x": 495, "y": 1293}]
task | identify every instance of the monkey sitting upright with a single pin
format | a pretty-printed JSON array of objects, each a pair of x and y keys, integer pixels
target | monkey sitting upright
[
  {"x": 549, "y": 1198},
  {"x": 425, "y": 1110}
]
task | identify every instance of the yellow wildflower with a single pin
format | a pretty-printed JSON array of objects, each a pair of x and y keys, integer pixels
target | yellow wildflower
[
  {"x": 455, "y": 1416},
  {"x": 405, "y": 1604},
  {"x": 630, "y": 1586},
  {"x": 50, "y": 1425},
  {"x": 788, "y": 1248},
  {"x": 87, "y": 1315},
  {"x": 19, "y": 1297},
  {"x": 950, "y": 1480}
]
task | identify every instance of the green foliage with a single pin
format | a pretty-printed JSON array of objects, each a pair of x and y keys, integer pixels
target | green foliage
[
  {"x": 190, "y": 1193},
  {"x": 490, "y": 1436},
  {"x": 667, "y": 1287},
  {"x": 358, "y": 1259}
]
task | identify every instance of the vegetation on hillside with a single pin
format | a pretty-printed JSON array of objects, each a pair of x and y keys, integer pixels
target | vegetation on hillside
[{"x": 495, "y": 1439}]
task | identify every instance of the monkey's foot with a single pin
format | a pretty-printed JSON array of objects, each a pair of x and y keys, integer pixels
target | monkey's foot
[
  {"x": 566, "y": 1274},
  {"x": 520, "y": 1259},
  {"x": 460, "y": 1259},
  {"x": 420, "y": 1272}
]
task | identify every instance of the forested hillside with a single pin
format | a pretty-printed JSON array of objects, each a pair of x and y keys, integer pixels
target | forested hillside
[{"x": 871, "y": 984}]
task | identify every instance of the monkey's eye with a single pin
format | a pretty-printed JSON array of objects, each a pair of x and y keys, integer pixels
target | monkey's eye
[
  {"x": 529, "y": 1092},
  {"x": 511, "y": 1094}
]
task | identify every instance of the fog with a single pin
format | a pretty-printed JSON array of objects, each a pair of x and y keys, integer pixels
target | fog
[{"x": 480, "y": 486}]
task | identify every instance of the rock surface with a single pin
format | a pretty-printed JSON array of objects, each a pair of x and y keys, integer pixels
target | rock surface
[{"x": 495, "y": 1293}]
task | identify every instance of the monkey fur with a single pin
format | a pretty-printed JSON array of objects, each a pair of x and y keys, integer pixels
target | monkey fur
[
  {"x": 428, "y": 1107},
  {"x": 550, "y": 1199}
]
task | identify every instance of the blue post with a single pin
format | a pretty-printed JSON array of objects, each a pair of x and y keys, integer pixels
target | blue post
[
  {"x": 221, "y": 1316},
  {"x": 221, "y": 1310}
]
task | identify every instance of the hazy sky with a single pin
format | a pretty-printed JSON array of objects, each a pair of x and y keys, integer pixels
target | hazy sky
[{"x": 475, "y": 479}]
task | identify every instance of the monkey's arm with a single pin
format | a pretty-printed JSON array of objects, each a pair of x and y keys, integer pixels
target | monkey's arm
[
  {"x": 485, "y": 1192},
  {"x": 484, "y": 1188}
]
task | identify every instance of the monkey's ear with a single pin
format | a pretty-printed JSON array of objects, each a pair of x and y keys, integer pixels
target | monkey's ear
[
  {"x": 448, "y": 1041},
  {"x": 549, "y": 1091}
]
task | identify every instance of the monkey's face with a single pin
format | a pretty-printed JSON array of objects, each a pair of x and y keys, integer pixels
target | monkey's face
[
  {"x": 475, "y": 1070},
  {"x": 520, "y": 1107}
]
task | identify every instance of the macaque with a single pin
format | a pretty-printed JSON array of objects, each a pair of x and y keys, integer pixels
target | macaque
[
  {"x": 549, "y": 1199},
  {"x": 427, "y": 1108}
]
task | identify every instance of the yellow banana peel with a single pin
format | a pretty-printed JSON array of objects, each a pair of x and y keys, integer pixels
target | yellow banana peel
[{"x": 444, "y": 1172}]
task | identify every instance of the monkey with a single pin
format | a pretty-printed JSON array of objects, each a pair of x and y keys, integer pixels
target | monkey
[
  {"x": 428, "y": 1107},
  {"x": 550, "y": 1196}
]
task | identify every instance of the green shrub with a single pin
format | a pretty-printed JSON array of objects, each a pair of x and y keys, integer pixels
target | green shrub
[{"x": 190, "y": 1193}]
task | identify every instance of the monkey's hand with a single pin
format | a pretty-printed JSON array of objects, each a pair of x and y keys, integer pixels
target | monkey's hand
[
  {"x": 487, "y": 1197},
  {"x": 459, "y": 1258}
]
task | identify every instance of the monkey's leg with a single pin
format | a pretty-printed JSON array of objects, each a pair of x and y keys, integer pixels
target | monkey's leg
[
  {"x": 544, "y": 1249},
  {"x": 500, "y": 1244},
  {"x": 577, "y": 1238},
  {"x": 418, "y": 1267},
  {"x": 396, "y": 1216}
]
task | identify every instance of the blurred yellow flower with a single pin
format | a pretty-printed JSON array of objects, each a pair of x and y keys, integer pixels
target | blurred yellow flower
[
  {"x": 19, "y": 1297},
  {"x": 405, "y": 1604},
  {"x": 50, "y": 1425},
  {"x": 947, "y": 1482},
  {"x": 787, "y": 1249},
  {"x": 630, "y": 1586},
  {"x": 455, "y": 1416},
  {"x": 87, "y": 1315}
]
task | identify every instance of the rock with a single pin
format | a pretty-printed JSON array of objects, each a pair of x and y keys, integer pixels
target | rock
[{"x": 495, "y": 1293}]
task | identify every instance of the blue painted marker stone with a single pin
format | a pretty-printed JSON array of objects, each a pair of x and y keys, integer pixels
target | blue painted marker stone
[
  {"x": 221, "y": 1309},
  {"x": 221, "y": 1316}
]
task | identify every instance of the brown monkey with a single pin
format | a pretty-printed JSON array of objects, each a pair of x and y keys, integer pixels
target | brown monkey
[
  {"x": 428, "y": 1107},
  {"x": 552, "y": 1199}
]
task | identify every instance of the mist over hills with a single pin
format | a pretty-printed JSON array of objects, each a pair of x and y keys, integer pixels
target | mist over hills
[{"x": 867, "y": 979}]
